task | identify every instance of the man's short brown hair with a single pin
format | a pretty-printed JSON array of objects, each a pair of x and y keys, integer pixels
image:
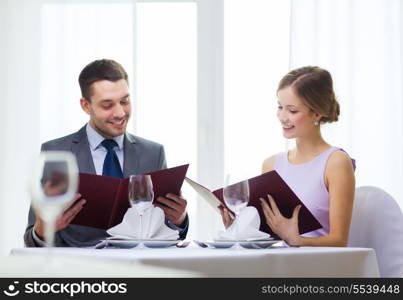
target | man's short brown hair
[{"x": 102, "y": 69}]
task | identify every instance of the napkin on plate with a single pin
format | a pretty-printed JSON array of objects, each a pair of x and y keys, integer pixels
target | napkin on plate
[
  {"x": 245, "y": 227},
  {"x": 152, "y": 223}
]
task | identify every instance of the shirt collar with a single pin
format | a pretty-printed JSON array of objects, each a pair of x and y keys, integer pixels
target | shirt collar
[{"x": 95, "y": 139}]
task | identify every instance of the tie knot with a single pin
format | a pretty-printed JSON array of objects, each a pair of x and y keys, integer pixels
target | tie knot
[{"x": 109, "y": 144}]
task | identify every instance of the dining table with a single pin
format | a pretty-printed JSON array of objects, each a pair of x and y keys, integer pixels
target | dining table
[{"x": 193, "y": 260}]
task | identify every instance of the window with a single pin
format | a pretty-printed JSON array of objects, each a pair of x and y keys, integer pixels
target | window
[
  {"x": 166, "y": 84},
  {"x": 256, "y": 55},
  {"x": 72, "y": 35}
]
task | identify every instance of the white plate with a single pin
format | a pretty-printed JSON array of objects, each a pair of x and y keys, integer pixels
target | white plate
[
  {"x": 259, "y": 244},
  {"x": 245, "y": 240},
  {"x": 160, "y": 243},
  {"x": 131, "y": 243},
  {"x": 244, "y": 244}
]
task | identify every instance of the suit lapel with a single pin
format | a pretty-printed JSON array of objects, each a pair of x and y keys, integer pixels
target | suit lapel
[
  {"x": 81, "y": 148},
  {"x": 131, "y": 157}
]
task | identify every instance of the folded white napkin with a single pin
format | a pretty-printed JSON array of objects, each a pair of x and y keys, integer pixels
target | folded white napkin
[
  {"x": 151, "y": 225},
  {"x": 245, "y": 227}
]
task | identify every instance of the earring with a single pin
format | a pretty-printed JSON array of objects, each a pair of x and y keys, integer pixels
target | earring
[{"x": 316, "y": 123}]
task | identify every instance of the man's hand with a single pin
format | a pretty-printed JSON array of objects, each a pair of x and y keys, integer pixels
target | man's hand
[
  {"x": 63, "y": 221},
  {"x": 174, "y": 208}
]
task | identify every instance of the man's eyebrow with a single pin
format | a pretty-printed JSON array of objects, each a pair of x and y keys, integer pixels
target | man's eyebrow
[
  {"x": 110, "y": 100},
  {"x": 106, "y": 100}
]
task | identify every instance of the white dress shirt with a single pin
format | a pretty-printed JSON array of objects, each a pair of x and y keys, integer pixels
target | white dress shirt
[{"x": 98, "y": 152}]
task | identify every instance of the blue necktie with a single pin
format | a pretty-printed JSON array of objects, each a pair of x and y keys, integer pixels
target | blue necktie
[{"x": 111, "y": 162}]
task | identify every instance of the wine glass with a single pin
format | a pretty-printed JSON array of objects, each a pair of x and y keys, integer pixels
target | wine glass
[
  {"x": 236, "y": 197},
  {"x": 141, "y": 195},
  {"x": 54, "y": 183}
]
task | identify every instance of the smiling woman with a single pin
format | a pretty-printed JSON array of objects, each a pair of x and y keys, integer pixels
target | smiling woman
[
  {"x": 321, "y": 175},
  {"x": 306, "y": 99}
]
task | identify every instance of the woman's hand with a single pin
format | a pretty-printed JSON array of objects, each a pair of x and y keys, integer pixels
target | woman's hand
[
  {"x": 286, "y": 229},
  {"x": 227, "y": 217}
]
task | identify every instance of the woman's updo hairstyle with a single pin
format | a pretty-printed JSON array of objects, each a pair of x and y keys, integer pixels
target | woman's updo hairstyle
[{"x": 315, "y": 87}]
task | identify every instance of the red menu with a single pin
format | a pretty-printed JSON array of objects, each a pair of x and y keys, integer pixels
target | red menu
[
  {"x": 107, "y": 197},
  {"x": 259, "y": 186}
]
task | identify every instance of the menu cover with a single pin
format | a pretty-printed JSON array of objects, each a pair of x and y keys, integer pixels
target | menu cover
[
  {"x": 259, "y": 186},
  {"x": 107, "y": 197}
]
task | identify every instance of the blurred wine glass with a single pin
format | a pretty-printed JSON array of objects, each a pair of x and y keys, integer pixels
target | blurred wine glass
[
  {"x": 141, "y": 195},
  {"x": 53, "y": 185},
  {"x": 236, "y": 198}
]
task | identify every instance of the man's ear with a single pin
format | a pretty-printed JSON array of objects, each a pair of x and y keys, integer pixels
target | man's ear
[{"x": 85, "y": 105}]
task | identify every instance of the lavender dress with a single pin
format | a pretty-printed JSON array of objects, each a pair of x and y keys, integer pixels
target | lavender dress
[{"x": 307, "y": 180}]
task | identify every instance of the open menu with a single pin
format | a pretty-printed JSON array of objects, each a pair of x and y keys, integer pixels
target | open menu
[
  {"x": 259, "y": 186},
  {"x": 107, "y": 197}
]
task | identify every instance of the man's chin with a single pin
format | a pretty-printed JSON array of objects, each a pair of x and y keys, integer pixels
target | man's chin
[
  {"x": 118, "y": 132},
  {"x": 113, "y": 132}
]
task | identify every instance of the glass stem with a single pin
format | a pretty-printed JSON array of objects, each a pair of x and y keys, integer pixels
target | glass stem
[
  {"x": 141, "y": 226},
  {"x": 50, "y": 233},
  {"x": 236, "y": 226}
]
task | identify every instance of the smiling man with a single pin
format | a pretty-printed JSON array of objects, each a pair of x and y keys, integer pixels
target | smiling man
[{"x": 104, "y": 147}]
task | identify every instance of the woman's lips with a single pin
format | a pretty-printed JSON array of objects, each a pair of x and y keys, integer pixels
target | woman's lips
[{"x": 288, "y": 128}]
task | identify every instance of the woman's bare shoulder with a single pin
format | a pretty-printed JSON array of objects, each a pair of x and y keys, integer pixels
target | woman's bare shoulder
[
  {"x": 268, "y": 163},
  {"x": 340, "y": 162},
  {"x": 339, "y": 157}
]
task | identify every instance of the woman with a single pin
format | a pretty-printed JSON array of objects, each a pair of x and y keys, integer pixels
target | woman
[{"x": 321, "y": 175}]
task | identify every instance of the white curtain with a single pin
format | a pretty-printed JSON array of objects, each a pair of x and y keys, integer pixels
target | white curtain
[
  {"x": 44, "y": 45},
  {"x": 19, "y": 134},
  {"x": 360, "y": 43}
]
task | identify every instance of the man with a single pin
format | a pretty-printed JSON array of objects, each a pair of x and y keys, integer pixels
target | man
[{"x": 103, "y": 147}]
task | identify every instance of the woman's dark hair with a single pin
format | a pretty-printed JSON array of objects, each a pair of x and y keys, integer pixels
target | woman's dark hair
[{"x": 315, "y": 87}]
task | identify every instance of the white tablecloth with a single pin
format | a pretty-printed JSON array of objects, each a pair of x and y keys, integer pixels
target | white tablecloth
[{"x": 205, "y": 262}]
